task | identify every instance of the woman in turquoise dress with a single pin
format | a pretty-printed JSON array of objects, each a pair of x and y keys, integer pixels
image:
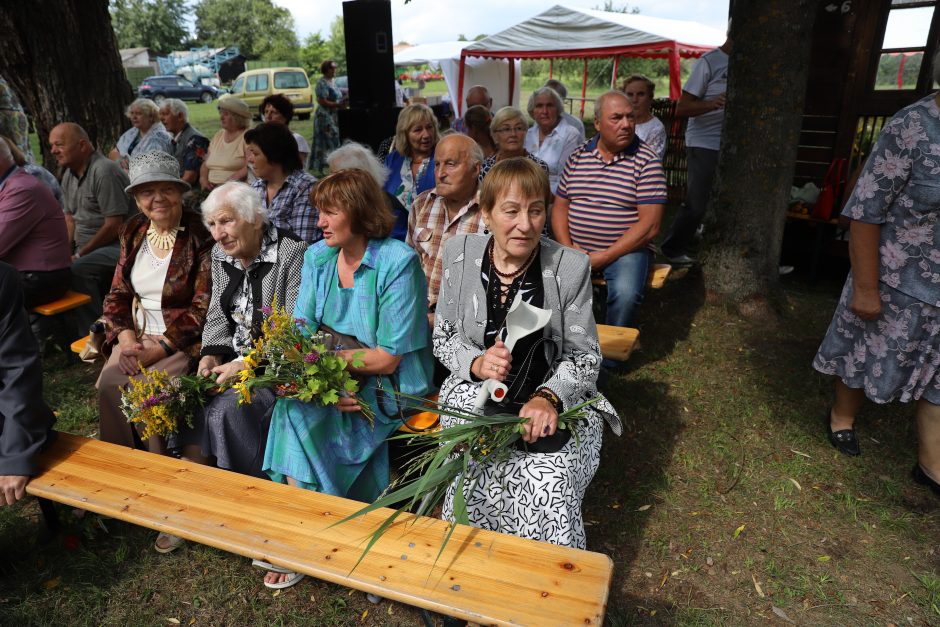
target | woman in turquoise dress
[
  {"x": 326, "y": 120},
  {"x": 360, "y": 283}
]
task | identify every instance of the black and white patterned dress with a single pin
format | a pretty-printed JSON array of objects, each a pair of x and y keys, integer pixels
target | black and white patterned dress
[{"x": 532, "y": 495}]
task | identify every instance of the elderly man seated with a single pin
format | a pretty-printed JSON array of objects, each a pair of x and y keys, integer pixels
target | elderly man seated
[
  {"x": 476, "y": 95},
  {"x": 33, "y": 237},
  {"x": 609, "y": 204},
  {"x": 25, "y": 420},
  {"x": 448, "y": 209},
  {"x": 189, "y": 145}
]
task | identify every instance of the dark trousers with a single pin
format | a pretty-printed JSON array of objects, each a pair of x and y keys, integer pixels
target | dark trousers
[
  {"x": 40, "y": 288},
  {"x": 702, "y": 164}
]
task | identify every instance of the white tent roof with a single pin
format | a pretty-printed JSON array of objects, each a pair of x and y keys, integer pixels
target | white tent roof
[
  {"x": 561, "y": 29},
  {"x": 429, "y": 53}
]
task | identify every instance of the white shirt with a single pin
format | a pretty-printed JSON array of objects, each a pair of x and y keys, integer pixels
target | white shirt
[
  {"x": 555, "y": 149},
  {"x": 653, "y": 134},
  {"x": 148, "y": 277}
]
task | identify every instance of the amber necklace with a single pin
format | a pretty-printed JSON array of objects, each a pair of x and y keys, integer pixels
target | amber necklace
[{"x": 522, "y": 268}]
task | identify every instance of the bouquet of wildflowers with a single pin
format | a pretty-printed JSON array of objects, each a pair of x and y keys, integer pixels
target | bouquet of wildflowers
[
  {"x": 296, "y": 364},
  {"x": 452, "y": 454},
  {"x": 158, "y": 400}
]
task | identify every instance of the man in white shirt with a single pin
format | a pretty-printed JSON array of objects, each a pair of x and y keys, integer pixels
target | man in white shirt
[{"x": 703, "y": 101}]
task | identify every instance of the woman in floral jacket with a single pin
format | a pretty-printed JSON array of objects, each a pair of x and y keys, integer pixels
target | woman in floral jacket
[
  {"x": 884, "y": 339},
  {"x": 155, "y": 311}
]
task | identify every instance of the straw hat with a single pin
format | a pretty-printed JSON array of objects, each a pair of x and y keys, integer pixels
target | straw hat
[
  {"x": 154, "y": 167},
  {"x": 235, "y": 105}
]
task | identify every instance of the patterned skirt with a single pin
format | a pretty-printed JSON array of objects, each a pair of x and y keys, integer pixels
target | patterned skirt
[
  {"x": 894, "y": 357},
  {"x": 531, "y": 495}
]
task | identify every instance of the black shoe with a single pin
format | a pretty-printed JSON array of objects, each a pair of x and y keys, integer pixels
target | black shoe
[
  {"x": 844, "y": 440},
  {"x": 918, "y": 474}
]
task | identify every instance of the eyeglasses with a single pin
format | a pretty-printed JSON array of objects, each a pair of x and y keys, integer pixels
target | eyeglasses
[{"x": 511, "y": 129}]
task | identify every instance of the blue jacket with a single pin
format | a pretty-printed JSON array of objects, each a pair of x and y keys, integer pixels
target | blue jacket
[{"x": 393, "y": 162}]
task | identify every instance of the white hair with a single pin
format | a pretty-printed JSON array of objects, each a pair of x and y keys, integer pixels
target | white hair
[
  {"x": 146, "y": 106},
  {"x": 176, "y": 107},
  {"x": 238, "y": 198},
  {"x": 355, "y": 156},
  {"x": 545, "y": 91}
]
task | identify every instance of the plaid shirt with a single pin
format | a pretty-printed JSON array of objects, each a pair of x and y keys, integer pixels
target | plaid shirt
[
  {"x": 290, "y": 209},
  {"x": 429, "y": 228}
]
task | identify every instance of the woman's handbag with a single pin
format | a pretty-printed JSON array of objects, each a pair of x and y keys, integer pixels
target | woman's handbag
[
  {"x": 831, "y": 190},
  {"x": 92, "y": 348}
]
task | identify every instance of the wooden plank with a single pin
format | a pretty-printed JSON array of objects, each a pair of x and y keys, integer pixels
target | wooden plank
[
  {"x": 617, "y": 342},
  {"x": 77, "y": 346},
  {"x": 71, "y": 300},
  {"x": 659, "y": 275},
  {"x": 482, "y": 576}
]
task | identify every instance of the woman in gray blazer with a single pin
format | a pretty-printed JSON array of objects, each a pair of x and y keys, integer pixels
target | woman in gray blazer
[{"x": 537, "y": 492}]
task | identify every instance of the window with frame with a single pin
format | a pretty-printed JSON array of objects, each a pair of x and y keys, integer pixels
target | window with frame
[{"x": 904, "y": 45}]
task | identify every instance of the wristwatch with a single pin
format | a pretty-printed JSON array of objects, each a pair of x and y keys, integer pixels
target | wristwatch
[{"x": 166, "y": 348}]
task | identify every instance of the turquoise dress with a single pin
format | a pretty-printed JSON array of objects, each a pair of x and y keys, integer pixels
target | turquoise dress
[{"x": 337, "y": 452}]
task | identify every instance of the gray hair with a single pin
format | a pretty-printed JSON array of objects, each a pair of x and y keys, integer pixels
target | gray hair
[
  {"x": 504, "y": 115},
  {"x": 604, "y": 97},
  {"x": 557, "y": 86},
  {"x": 543, "y": 91},
  {"x": 238, "y": 198},
  {"x": 146, "y": 106},
  {"x": 355, "y": 156},
  {"x": 176, "y": 107}
]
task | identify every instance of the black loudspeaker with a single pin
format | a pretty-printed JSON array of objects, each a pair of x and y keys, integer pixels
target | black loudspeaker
[
  {"x": 370, "y": 64},
  {"x": 368, "y": 126}
]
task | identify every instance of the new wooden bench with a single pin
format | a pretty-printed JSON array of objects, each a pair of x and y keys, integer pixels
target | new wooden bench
[
  {"x": 71, "y": 300},
  {"x": 482, "y": 576}
]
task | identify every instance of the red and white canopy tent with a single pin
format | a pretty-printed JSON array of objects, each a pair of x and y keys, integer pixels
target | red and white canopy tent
[{"x": 564, "y": 32}]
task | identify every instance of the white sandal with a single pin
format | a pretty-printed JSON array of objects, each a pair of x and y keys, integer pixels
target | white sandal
[{"x": 291, "y": 580}]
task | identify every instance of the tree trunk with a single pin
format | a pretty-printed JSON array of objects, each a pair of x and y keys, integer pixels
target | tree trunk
[
  {"x": 766, "y": 89},
  {"x": 61, "y": 58}
]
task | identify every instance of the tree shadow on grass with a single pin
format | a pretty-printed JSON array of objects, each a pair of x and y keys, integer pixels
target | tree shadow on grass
[{"x": 630, "y": 478}]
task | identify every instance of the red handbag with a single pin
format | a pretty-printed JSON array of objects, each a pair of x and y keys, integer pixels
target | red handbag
[{"x": 831, "y": 190}]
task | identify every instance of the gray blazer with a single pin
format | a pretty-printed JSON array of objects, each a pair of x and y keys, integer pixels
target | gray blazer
[{"x": 460, "y": 320}]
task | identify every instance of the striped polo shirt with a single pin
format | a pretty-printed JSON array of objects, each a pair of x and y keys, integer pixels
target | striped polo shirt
[{"x": 604, "y": 196}]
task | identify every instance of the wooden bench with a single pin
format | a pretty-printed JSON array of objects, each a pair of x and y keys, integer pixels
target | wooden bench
[
  {"x": 617, "y": 342},
  {"x": 657, "y": 277},
  {"x": 482, "y": 576},
  {"x": 71, "y": 300}
]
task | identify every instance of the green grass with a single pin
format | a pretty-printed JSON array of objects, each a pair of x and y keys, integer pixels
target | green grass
[{"x": 722, "y": 429}]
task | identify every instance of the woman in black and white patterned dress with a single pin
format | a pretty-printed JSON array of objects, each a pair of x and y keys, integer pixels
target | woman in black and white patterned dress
[{"x": 537, "y": 492}]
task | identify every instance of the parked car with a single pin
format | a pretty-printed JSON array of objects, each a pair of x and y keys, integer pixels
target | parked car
[
  {"x": 158, "y": 88},
  {"x": 254, "y": 86}
]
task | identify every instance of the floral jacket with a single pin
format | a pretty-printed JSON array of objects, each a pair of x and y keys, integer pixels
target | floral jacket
[{"x": 186, "y": 291}]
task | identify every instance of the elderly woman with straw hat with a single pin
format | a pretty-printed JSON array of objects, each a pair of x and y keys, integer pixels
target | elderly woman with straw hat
[
  {"x": 155, "y": 311},
  {"x": 227, "y": 160}
]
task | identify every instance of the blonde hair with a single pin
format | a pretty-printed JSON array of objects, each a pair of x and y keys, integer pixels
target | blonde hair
[
  {"x": 410, "y": 116},
  {"x": 145, "y": 106}
]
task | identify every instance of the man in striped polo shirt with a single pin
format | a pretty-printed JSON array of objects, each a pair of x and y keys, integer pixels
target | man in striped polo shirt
[{"x": 610, "y": 204}]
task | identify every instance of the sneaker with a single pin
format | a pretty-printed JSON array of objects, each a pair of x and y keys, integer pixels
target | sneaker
[{"x": 682, "y": 260}]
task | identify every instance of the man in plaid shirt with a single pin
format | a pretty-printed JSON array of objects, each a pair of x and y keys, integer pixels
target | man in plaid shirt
[{"x": 452, "y": 207}]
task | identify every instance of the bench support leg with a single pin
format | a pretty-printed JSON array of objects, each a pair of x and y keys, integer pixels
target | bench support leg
[{"x": 49, "y": 515}]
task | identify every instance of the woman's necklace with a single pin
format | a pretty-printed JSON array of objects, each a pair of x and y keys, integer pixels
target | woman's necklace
[
  {"x": 522, "y": 268},
  {"x": 165, "y": 241}
]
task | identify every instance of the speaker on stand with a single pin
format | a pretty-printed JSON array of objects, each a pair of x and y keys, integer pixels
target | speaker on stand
[{"x": 370, "y": 67}]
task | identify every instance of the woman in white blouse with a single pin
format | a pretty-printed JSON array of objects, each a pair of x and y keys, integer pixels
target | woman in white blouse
[{"x": 551, "y": 138}]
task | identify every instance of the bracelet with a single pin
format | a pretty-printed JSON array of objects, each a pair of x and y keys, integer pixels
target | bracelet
[
  {"x": 166, "y": 348},
  {"x": 549, "y": 396}
]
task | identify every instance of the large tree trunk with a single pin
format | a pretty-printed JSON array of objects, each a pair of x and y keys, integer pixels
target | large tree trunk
[
  {"x": 766, "y": 89},
  {"x": 61, "y": 58}
]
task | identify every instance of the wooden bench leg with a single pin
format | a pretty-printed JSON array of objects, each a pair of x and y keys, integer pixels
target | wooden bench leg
[{"x": 49, "y": 515}]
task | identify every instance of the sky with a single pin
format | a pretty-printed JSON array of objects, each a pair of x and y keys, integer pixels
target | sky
[{"x": 432, "y": 21}]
